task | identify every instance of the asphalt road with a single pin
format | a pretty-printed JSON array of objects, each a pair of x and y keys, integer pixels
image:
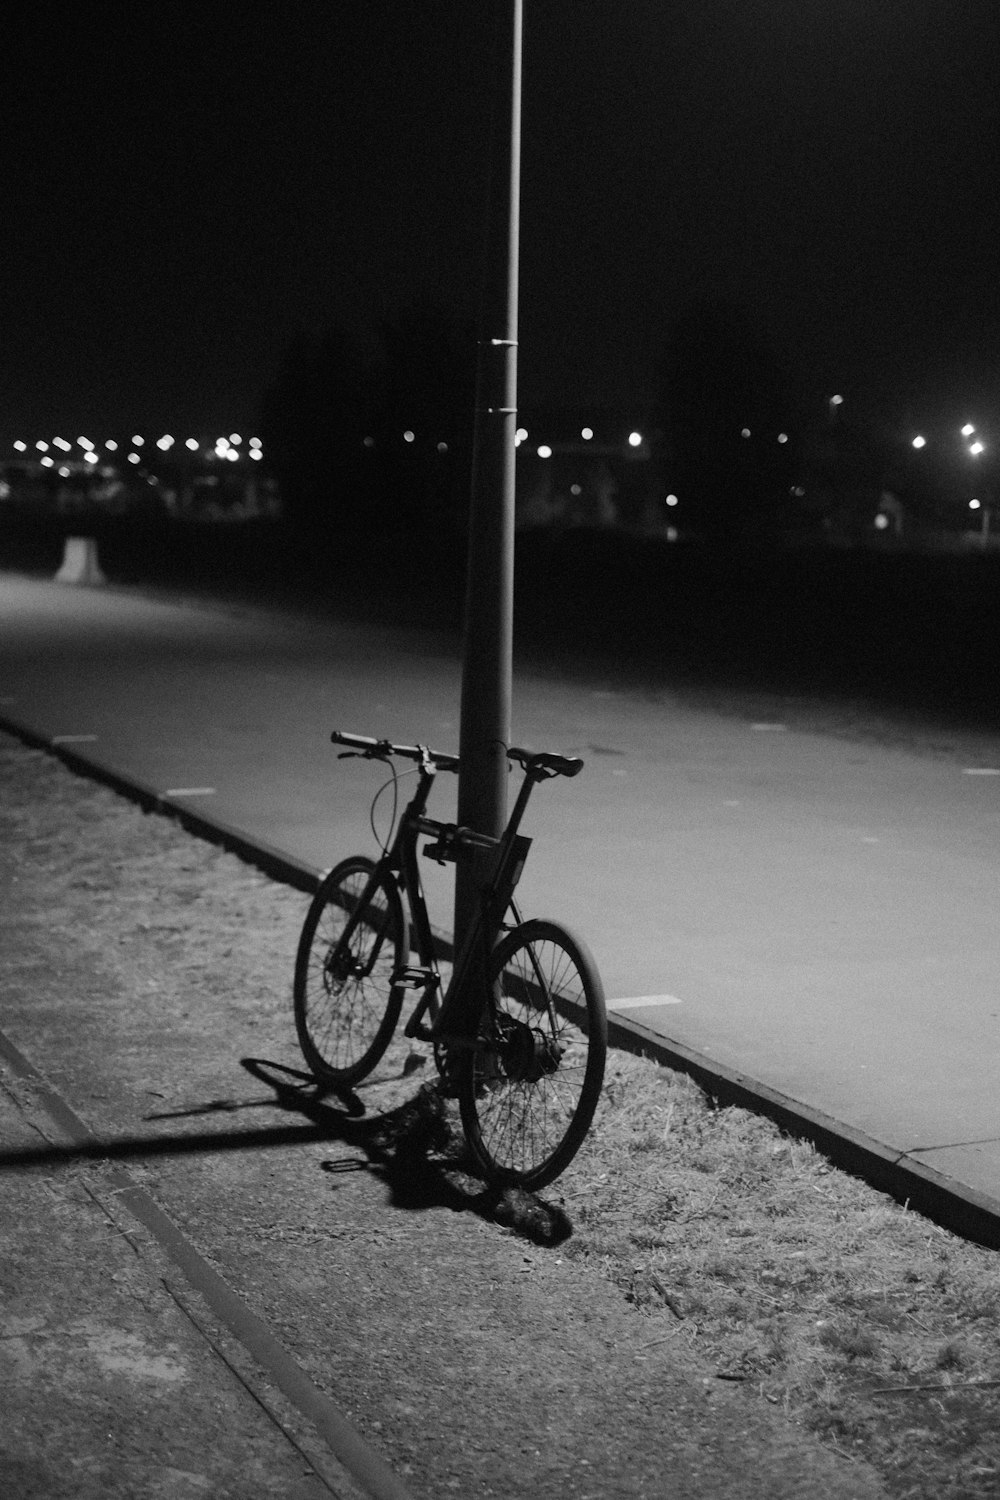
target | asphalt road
[{"x": 812, "y": 916}]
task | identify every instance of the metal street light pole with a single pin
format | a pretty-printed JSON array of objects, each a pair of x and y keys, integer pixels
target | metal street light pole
[{"x": 489, "y": 606}]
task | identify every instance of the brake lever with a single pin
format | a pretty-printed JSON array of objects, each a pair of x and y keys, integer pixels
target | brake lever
[{"x": 363, "y": 755}]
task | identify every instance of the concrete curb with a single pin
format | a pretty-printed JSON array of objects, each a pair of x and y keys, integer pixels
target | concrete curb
[
  {"x": 273, "y": 862},
  {"x": 943, "y": 1199},
  {"x": 952, "y": 1204}
]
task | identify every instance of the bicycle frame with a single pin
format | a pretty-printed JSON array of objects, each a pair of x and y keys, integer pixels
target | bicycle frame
[
  {"x": 400, "y": 862},
  {"x": 519, "y": 1034}
]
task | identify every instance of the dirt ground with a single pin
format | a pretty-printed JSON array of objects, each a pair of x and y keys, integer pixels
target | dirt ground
[{"x": 697, "y": 1307}]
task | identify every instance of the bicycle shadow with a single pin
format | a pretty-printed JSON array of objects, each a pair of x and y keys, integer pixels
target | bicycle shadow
[{"x": 414, "y": 1150}]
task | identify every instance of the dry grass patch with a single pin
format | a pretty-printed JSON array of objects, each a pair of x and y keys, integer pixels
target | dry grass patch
[{"x": 864, "y": 1321}]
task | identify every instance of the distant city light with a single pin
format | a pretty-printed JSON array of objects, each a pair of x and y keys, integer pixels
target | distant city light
[
  {"x": 226, "y": 447},
  {"x": 409, "y": 437},
  {"x": 919, "y": 442},
  {"x": 975, "y": 449},
  {"x": 442, "y": 447},
  {"x": 782, "y": 437},
  {"x": 545, "y": 451},
  {"x": 974, "y": 505},
  {"x": 587, "y": 433},
  {"x": 369, "y": 442},
  {"x": 968, "y": 430},
  {"x": 634, "y": 439},
  {"x": 521, "y": 435},
  {"x": 836, "y": 400},
  {"x": 881, "y": 521},
  {"x": 47, "y": 462},
  {"x": 672, "y": 500},
  {"x": 745, "y": 432},
  {"x": 576, "y": 489}
]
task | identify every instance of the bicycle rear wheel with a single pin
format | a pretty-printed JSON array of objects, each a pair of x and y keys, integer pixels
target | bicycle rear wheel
[
  {"x": 346, "y": 1005},
  {"x": 528, "y": 1093}
]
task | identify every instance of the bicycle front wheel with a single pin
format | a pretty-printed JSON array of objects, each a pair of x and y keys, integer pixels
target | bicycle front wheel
[
  {"x": 346, "y": 1003},
  {"x": 529, "y": 1090}
]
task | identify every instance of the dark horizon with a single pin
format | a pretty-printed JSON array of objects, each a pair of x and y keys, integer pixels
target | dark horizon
[{"x": 184, "y": 196}]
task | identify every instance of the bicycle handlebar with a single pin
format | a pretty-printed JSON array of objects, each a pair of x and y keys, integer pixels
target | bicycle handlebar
[
  {"x": 539, "y": 763},
  {"x": 373, "y": 749}
]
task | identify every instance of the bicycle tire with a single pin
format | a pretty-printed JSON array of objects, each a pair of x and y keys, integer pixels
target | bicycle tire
[
  {"x": 528, "y": 1091},
  {"x": 345, "y": 1020}
]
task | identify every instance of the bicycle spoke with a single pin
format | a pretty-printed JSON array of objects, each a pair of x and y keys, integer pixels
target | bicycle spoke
[
  {"x": 346, "y": 1005},
  {"x": 533, "y": 1085}
]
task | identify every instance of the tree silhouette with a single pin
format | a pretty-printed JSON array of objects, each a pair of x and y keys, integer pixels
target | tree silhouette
[
  {"x": 424, "y": 392},
  {"x": 314, "y": 422},
  {"x": 726, "y": 403},
  {"x": 364, "y": 443}
]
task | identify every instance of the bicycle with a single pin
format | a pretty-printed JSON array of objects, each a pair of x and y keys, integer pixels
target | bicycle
[{"x": 520, "y": 1030}]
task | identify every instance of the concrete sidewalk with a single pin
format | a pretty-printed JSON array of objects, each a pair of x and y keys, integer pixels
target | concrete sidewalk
[{"x": 807, "y": 924}]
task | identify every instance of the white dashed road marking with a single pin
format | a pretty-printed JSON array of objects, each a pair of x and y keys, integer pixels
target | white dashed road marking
[{"x": 638, "y": 1002}]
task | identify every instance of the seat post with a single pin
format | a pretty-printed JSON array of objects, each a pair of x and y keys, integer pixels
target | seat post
[{"x": 520, "y": 804}]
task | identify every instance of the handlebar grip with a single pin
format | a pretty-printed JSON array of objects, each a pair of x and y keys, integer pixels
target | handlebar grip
[{"x": 359, "y": 741}]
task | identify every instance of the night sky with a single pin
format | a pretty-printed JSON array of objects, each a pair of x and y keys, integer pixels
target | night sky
[{"x": 186, "y": 186}]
